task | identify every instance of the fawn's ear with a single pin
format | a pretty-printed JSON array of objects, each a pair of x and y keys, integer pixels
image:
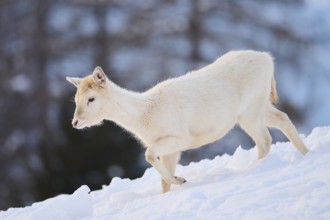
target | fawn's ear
[
  {"x": 74, "y": 81},
  {"x": 99, "y": 76}
]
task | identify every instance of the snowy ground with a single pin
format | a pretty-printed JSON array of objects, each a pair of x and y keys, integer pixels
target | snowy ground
[{"x": 285, "y": 185}]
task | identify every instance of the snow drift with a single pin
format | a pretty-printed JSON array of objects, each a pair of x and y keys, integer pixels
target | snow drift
[{"x": 283, "y": 185}]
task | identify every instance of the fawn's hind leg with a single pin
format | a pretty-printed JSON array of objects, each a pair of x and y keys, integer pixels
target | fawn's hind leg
[
  {"x": 259, "y": 133},
  {"x": 280, "y": 120},
  {"x": 170, "y": 162}
]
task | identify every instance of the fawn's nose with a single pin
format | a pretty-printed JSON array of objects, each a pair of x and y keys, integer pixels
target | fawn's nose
[{"x": 74, "y": 123}]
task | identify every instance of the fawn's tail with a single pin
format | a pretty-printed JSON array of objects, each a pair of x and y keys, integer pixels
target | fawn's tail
[{"x": 273, "y": 93}]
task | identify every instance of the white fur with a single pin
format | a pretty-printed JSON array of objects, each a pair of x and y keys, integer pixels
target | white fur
[{"x": 192, "y": 110}]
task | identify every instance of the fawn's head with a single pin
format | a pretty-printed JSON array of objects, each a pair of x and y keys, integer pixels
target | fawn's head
[{"x": 90, "y": 99}]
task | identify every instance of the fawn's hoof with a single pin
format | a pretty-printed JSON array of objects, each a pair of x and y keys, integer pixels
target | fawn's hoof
[
  {"x": 304, "y": 151},
  {"x": 179, "y": 180}
]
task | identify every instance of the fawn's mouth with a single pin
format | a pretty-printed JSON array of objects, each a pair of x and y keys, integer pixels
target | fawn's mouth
[{"x": 78, "y": 124}]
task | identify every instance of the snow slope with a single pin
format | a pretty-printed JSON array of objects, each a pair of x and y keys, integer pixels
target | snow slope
[{"x": 284, "y": 185}]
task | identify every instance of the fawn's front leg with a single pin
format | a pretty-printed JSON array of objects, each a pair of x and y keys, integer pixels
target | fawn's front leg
[
  {"x": 152, "y": 158},
  {"x": 169, "y": 161},
  {"x": 165, "y": 148}
]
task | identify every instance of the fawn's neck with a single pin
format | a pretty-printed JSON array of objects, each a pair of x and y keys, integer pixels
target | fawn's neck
[{"x": 128, "y": 108}]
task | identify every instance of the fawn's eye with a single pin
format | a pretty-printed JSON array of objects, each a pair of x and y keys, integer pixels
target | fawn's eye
[{"x": 90, "y": 100}]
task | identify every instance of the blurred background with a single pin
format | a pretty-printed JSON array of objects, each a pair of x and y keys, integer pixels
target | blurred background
[{"x": 137, "y": 43}]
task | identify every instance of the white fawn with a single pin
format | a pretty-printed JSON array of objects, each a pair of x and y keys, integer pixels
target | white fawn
[{"x": 191, "y": 110}]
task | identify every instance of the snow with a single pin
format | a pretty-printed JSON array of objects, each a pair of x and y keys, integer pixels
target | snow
[{"x": 284, "y": 185}]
